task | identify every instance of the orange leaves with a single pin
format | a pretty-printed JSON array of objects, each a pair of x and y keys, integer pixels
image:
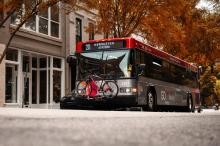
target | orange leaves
[
  {"x": 120, "y": 18},
  {"x": 183, "y": 30}
]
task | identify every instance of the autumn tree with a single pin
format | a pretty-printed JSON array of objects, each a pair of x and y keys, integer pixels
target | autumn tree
[
  {"x": 24, "y": 10},
  {"x": 184, "y": 30},
  {"x": 120, "y": 18}
]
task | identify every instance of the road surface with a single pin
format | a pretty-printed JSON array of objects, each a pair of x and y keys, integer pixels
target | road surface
[{"x": 47, "y": 127}]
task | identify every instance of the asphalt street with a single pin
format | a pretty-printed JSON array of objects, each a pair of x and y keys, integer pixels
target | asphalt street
[{"x": 49, "y": 127}]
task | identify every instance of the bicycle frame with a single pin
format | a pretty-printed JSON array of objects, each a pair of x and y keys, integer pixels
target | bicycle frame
[{"x": 92, "y": 88}]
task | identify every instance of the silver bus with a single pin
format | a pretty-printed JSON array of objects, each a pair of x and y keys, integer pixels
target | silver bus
[{"x": 123, "y": 72}]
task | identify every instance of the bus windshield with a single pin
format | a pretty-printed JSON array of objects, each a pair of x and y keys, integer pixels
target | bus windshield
[{"x": 110, "y": 64}]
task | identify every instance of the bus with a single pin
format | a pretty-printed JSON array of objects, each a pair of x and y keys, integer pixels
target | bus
[{"x": 136, "y": 75}]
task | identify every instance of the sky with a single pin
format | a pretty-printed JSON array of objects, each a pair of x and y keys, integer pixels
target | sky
[{"x": 205, "y": 4}]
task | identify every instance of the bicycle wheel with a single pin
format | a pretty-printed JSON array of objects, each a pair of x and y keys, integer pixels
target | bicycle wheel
[
  {"x": 110, "y": 89},
  {"x": 83, "y": 88}
]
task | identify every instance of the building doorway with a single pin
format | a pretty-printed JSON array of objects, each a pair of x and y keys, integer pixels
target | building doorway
[{"x": 33, "y": 80}]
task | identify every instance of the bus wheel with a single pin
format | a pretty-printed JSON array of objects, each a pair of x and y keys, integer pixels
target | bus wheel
[{"x": 151, "y": 101}]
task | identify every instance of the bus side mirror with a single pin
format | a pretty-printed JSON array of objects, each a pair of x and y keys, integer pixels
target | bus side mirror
[{"x": 71, "y": 59}]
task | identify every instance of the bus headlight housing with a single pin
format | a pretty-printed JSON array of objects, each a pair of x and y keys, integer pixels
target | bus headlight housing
[{"x": 128, "y": 90}]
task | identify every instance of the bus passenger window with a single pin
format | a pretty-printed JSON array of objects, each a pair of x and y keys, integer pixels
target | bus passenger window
[
  {"x": 138, "y": 57},
  {"x": 166, "y": 71},
  {"x": 156, "y": 68},
  {"x": 142, "y": 58}
]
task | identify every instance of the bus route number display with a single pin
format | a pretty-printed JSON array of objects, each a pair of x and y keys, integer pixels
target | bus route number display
[{"x": 104, "y": 45}]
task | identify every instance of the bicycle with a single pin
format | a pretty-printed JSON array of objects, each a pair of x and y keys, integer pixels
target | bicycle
[{"x": 92, "y": 87}]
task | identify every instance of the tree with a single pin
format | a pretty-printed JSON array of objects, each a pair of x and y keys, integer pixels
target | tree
[
  {"x": 208, "y": 86},
  {"x": 120, "y": 18},
  {"x": 184, "y": 30},
  {"x": 24, "y": 10}
]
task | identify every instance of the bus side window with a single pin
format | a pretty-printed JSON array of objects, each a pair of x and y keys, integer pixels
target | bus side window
[
  {"x": 177, "y": 74},
  {"x": 166, "y": 71},
  {"x": 173, "y": 73},
  {"x": 139, "y": 63},
  {"x": 191, "y": 79},
  {"x": 142, "y": 58},
  {"x": 156, "y": 68},
  {"x": 137, "y": 57},
  {"x": 148, "y": 62},
  {"x": 180, "y": 75}
]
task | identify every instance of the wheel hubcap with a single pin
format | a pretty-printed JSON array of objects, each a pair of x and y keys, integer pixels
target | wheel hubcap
[
  {"x": 190, "y": 104},
  {"x": 150, "y": 100}
]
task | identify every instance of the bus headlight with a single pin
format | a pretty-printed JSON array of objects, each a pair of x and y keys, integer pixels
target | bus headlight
[{"x": 128, "y": 90}]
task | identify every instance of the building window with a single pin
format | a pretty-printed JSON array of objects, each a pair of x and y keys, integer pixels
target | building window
[
  {"x": 57, "y": 75},
  {"x": 46, "y": 22},
  {"x": 56, "y": 85},
  {"x": 11, "y": 83},
  {"x": 17, "y": 16},
  {"x": 91, "y": 31},
  {"x": 12, "y": 55},
  {"x": 54, "y": 22},
  {"x": 43, "y": 86},
  {"x": 78, "y": 30},
  {"x": 49, "y": 22},
  {"x": 43, "y": 22},
  {"x": 56, "y": 63},
  {"x": 31, "y": 23},
  {"x": 11, "y": 76}
]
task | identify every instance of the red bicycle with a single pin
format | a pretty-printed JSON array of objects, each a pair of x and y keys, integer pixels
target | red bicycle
[{"x": 96, "y": 86}]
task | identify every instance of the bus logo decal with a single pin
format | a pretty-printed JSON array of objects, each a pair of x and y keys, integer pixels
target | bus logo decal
[{"x": 163, "y": 95}]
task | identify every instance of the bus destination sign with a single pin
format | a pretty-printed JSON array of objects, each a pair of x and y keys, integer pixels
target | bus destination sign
[{"x": 104, "y": 45}]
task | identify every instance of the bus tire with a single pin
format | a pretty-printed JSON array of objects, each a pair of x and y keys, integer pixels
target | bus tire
[
  {"x": 151, "y": 101},
  {"x": 190, "y": 107}
]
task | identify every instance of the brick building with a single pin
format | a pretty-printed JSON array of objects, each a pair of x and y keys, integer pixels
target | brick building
[{"x": 34, "y": 72}]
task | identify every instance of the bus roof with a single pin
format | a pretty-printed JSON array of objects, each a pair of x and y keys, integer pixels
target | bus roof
[{"x": 133, "y": 43}]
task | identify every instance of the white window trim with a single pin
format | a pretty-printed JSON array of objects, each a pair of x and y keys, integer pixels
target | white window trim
[
  {"x": 11, "y": 62},
  {"x": 57, "y": 69},
  {"x": 51, "y": 81},
  {"x": 49, "y": 20}
]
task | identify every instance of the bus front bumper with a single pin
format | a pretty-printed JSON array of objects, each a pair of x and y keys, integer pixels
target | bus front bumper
[{"x": 84, "y": 102}]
